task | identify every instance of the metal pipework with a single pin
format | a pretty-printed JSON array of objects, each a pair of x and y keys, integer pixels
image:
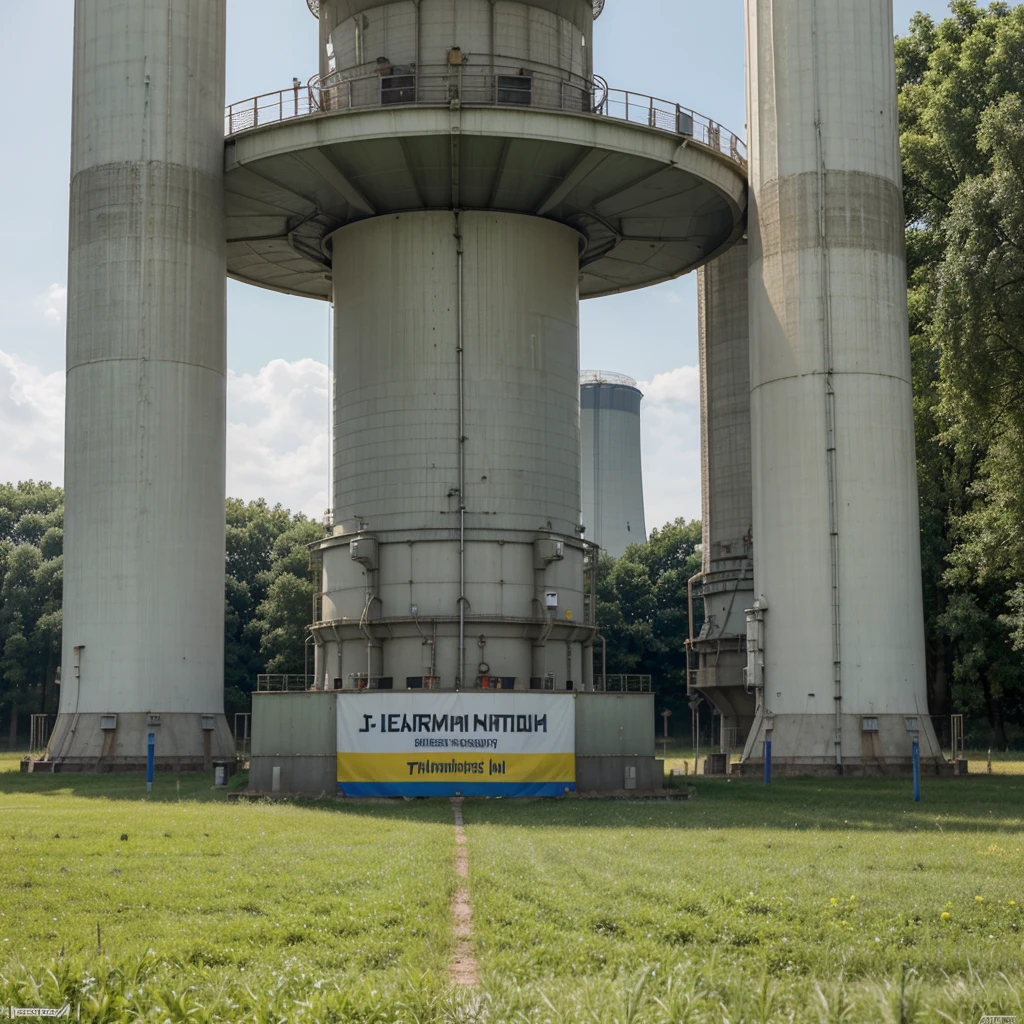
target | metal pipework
[{"x": 461, "y": 350}]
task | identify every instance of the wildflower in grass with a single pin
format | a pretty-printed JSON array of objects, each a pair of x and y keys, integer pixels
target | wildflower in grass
[
  {"x": 1011, "y": 903},
  {"x": 979, "y": 899},
  {"x": 945, "y": 915},
  {"x": 833, "y": 901}
]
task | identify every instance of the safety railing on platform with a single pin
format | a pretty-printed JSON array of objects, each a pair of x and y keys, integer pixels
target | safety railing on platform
[
  {"x": 622, "y": 683},
  {"x": 479, "y": 85},
  {"x": 279, "y": 683}
]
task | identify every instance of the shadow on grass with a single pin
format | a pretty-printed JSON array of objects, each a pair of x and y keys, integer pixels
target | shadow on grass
[{"x": 987, "y": 803}]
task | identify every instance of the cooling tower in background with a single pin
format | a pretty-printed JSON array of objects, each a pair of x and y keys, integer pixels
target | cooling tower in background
[{"x": 613, "y": 482}]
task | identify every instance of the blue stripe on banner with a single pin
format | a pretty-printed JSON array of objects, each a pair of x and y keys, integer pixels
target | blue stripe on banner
[{"x": 413, "y": 789}]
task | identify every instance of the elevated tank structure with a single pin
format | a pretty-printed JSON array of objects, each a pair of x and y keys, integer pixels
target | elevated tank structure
[
  {"x": 836, "y": 631},
  {"x": 613, "y": 482},
  {"x": 726, "y": 581},
  {"x": 146, "y": 371},
  {"x": 455, "y": 180}
]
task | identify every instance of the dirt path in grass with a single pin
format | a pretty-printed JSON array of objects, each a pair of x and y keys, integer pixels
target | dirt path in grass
[{"x": 463, "y": 969}]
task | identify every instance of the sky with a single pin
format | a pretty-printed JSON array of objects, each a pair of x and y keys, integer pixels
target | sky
[{"x": 686, "y": 51}]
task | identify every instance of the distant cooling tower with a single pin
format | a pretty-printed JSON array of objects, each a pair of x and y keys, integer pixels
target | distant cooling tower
[{"x": 613, "y": 485}]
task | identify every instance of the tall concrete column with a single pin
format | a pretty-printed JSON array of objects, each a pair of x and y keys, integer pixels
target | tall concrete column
[
  {"x": 457, "y": 493},
  {"x": 835, "y": 493},
  {"x": 727, "y": 572},
  {"x": 144, "y": 458}
]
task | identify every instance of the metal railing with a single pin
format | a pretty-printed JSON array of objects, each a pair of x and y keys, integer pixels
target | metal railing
[
  {"x": 480, "y": 85},
  {"x": 606, "y": 377},
  {"x": 280, "y": 683},
  {"x": 622, "y": 683}
]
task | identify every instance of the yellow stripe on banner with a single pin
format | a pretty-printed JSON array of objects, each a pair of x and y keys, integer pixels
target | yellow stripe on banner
[{"x": 457, "y": 768}]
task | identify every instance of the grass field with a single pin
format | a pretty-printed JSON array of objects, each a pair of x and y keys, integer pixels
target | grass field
[{"x": 810, "y": 901}]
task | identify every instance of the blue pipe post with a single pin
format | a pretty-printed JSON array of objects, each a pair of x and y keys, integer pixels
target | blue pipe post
[
  {"x": 150, "y": 751},
  {"x": 767, "y": 762},
  {"x": 917, "y": 773}
]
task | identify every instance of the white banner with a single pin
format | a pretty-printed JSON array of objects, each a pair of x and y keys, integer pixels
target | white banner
[{"x": 446, "y": 743}]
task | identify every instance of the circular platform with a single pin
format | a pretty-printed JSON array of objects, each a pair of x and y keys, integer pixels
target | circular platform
[{"x": 650, "y": 204}]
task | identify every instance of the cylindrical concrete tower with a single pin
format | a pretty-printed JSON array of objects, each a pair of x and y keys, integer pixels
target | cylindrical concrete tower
[
  {"x": 837, "y": 550},
  {"x": 727, "y": 577},
  {"x": 613, "y": 482},
  {"x": 457, "y": 189},
  {"x": 144, "y": 458}
]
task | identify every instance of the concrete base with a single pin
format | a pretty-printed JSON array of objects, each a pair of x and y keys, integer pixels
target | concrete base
[
  {"x": 80, "y": 744},
  {"x": 851, "y": 770},
  {"x": 310, "y": 775},
  {"x": 316, "y": 774},
  {"x": 805, "y": 745},
  {"x": 609, "y": 774}
]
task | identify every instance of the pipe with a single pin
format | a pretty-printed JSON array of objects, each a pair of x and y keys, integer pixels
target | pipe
[
  {"x": 364, "y": 627},
  {"x": 830, "y": 405},
  {"x": 340, "y": 664},
  {"x": 462, "y": 459},
  {"x": 419, "y": 43},
  {"x": 494, "y": 37},
  {"x": 690, "y": 640}
]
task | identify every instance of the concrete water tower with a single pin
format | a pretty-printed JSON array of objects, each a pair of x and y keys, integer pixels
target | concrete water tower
[
  {"x": 726, "y": 582},
  {"x": 146, "y": 370},
  {"x": 455, "y": 181},
  {"x": 613, "y": 480},
  {"x": 837, "y": 637}
]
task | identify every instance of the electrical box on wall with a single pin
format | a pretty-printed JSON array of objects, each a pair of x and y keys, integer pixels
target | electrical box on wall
[
  {"x": 364, "y": 551},
  {"x": 551, "y": 600},
  {"x": 547, "y": 550}
]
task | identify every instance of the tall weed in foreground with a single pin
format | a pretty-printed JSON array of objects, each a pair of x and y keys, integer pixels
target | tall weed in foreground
[{"x": 146, "y": 991}]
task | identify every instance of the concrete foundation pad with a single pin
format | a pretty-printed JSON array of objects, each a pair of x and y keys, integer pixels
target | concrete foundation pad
[
  {"x": 117, "y": 742},
  {"x": 851, "y": 769}
]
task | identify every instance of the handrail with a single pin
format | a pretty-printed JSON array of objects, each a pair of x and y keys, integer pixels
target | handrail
[
  {"x": 606, "y": 377},
  {"x": 478, "y": 85},
  {"x": 314, "y": 8}
]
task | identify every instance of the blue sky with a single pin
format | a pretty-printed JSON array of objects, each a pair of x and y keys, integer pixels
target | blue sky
[{"x": 681, "y": 50}]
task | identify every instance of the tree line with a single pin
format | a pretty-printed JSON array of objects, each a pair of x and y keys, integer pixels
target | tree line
[
  {"x": 961, "y": 94},
  {"x": 268, "y": 594}
]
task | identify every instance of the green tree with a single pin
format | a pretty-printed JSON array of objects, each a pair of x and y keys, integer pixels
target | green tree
[
  {"x": 31, "y": 581},
  {"x": 961, "y": 83},
  {"x": 643, "y": 609},
  {"x": 283, "y": 616},
  {"x": 268, "y": 595}
]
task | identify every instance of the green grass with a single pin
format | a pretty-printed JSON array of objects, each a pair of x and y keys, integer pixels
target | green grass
[
  {"x": 781, "y": 890},
  {"x": 733, "y": 907},
  {"x": 206, "y": 898}
]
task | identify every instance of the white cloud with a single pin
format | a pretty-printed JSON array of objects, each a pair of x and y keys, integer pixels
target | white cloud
[
  {"x": 670, "y": 423},
  {"x": 277, "y": 430},
  {"x": 31, "y": 422},
  {"x": 278, "y": 444},
  {"x": 54, "y": 303}
]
